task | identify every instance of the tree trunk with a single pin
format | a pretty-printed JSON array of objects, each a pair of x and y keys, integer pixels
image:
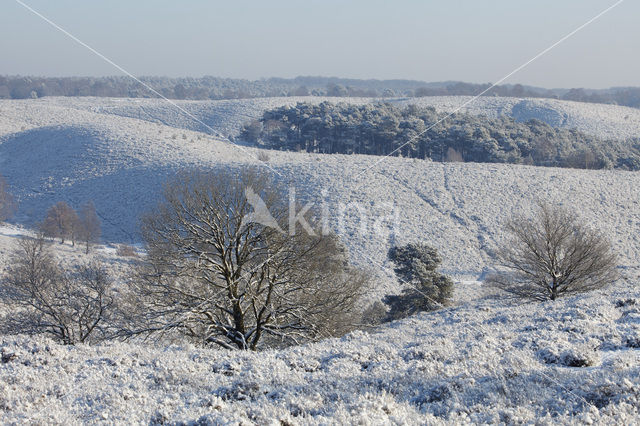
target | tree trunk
[{"x": 554, "y": 291}]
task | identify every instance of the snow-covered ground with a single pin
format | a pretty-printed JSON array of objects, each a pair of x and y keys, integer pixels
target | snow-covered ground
[
  {"x": 481, "y": 361},
  {"x": 572, "y": 361},
  {"x": 606, "y": 121}
]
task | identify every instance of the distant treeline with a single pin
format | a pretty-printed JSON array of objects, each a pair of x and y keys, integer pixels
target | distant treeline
[
  {"x": 227, "y": 88},
  {"x": 416, "y": 132}
]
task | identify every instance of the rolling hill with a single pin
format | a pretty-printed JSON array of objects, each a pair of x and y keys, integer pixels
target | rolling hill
[
  {"x": 481, "y": 361},
  {"x": 79, "y": 149}
]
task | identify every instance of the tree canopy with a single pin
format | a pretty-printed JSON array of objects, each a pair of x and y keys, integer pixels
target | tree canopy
[{"x": 384, "y": 129}]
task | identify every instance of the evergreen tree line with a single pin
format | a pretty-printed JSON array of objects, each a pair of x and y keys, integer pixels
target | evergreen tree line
[
  {"x": 384, "y": 129},
  {"x": 21, "y": 87}
]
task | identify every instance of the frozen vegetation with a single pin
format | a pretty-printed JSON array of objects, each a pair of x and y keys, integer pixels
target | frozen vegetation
[
  {"x": 482, "y": 360},
  {"x": 415, "y": 132},
  {"x": 565, "y": 362}
]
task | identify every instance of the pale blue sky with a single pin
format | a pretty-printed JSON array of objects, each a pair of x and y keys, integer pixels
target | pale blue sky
[{"x": 469, "y": 40}]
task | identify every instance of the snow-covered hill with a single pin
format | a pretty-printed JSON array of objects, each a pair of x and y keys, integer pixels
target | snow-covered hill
[
  {"x": 68, "y": 149},
  {"x": 482, "y": 361},
  {"x": 606, "y": 121},
  {"x": 565, "y": 362},
  {"x": 227, "y": 117}
]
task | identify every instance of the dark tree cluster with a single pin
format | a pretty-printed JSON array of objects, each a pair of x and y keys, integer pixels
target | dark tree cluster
[{"x": 415, "y": 132}]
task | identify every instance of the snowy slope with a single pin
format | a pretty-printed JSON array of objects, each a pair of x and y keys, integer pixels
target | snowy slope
[
  {"x": 572, "y": 361},
  {"x": 227, "y": 117},
  {"x": 606, "y": 121},
  {"x": 58, "y": 149},
  {"x": 219, "y": 118}
]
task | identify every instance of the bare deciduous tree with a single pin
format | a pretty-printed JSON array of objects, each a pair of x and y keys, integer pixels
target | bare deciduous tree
[
  {"x": 215, "y": 277},
  {"x": 72, "y": 307},
  {"x": 552, "y": 255},
  {"x": 61, "y": 222},
  {"x": 7, "y": 202},
  {"x": 89, "y": 225}
]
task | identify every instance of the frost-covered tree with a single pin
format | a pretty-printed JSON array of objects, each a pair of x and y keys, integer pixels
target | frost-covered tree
[
  {"x": 251, "y": 131},
  {"x": 61, "y": 222},
  {"x": 337, "y": 90},
  {"x": 551, "y": 255},
  {"x": 89, "y": 225},
  {"x": 384, "y": 129},
  {"x": 70, "y": 306},
  {"x": 219, "y": 88},
  {"x": 216, "y": 276},
  {"x": 301, "y": 91},
  {"x": 425, "y": 288},
  {"x": 7, "y": 202}
]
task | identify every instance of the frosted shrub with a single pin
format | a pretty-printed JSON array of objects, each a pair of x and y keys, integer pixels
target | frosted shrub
[
  {"x": 425, "y": 288},
  {"x": 70, "y": 306},
  {"x": 125, "y": 250},
  {"x": 553, "y": 255}
]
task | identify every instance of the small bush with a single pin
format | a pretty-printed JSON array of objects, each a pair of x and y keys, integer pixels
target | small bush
[
  {"x": 72, "y": 306},
  {"x": 569, "y": 358},
  {"x": 126, "y": 250},
  {"x": 374, "y": 314}
]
